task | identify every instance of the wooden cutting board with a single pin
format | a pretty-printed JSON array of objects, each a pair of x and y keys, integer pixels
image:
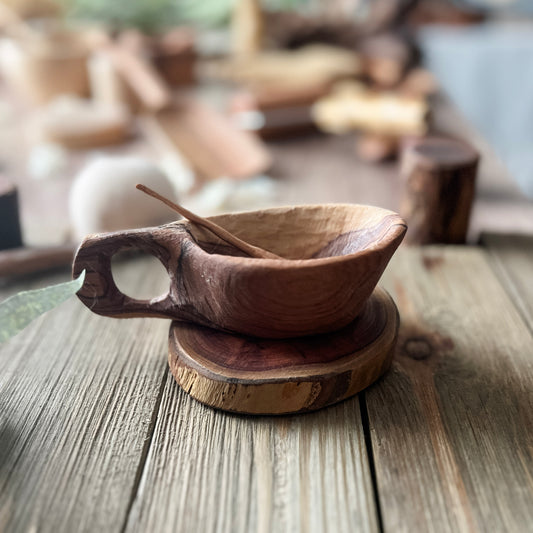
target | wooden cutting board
[{"x": 267, "y": 376}]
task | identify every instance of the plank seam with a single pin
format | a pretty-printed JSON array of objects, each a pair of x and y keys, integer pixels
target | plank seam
[
  {"x": 371, "y": 462},
  {"x": 505, "y": 279},
  {"x": 145, "y": 450}
]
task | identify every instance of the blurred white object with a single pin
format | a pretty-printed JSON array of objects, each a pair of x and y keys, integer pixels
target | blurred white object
[
  {"x": 226, "y": 195},
  {"x": 178, "y": 171},
  {"x": 104, "y": 198},
  {"x": 47, "y": 161}
]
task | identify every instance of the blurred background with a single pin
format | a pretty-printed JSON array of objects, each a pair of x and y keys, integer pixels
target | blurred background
[{"x": 241, "y": 104}]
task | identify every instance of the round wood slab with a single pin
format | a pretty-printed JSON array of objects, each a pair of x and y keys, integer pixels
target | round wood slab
[{"x": 271, "y": 376}]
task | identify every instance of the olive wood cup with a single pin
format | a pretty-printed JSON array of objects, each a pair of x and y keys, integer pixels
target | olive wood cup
[{"x": 333, "y": 256}]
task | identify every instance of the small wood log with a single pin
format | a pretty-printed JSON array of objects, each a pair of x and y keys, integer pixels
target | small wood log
[
  {"x": 263, "y": 376},
  {"x": 440, "y": 178},
  {"x": 22, "y": 261},
  {"x": 10, "y": 234}
]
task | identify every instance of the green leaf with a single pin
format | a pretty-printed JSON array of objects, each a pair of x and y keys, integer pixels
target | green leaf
[{"x": 22, "y": 308}]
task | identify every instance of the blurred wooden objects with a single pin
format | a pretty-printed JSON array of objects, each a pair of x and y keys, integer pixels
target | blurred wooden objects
[
  {"x": 305, "y": 67},
  {"x": 444, "y": 12},
  {"x": 10, "y": 233},
  {"x": 292, "y": 30},
  {"x": 274, "y": 113},
  {"x": 209, "y": 141},
  {"x": 51, "y": 65},
  {"x": 386, "y": 58},
  {"x": 29, "y": 9},
  {"x": 173, "y": 55},
  {"x": 351, "y": 106},
  {"x": 141, "y": 77},
  {"x": 247, "y": 28},
  {"x": 418, "y": 82},
  {"x": 440, "y": 178},
  {"x": 375, "y": 148},
  {"x": 22, "y": 261},
  {"x": 77, "y": 123}
]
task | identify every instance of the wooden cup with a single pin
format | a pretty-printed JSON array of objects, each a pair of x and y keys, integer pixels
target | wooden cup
[{"x": 333, "y": 256}]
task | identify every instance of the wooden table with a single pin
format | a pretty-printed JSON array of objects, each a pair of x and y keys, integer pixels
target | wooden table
[{"x": 96, "y": 436}]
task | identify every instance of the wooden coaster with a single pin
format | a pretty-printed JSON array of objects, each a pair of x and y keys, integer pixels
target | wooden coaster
[{"x": 271, "y": 376}]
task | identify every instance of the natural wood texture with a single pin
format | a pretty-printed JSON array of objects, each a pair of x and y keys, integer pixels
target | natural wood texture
[
  {"x": 440, "y": 178},
  {"x": 22, "y": 261},
  {"x": 261, "y": 376},
  {"x": 77, "y": 397},
  {"x": 451, "y": 423},
  {"x": 10, "y": 234},
  {"x": 210, "y": 142},
  {"x": 512, "y": 258},
  {"x": 211, "y": 471},
  {"x": 220, "y": 232},
  {"x": 334, "y": 256}
]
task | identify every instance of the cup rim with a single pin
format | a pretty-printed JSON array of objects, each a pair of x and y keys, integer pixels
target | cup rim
[{"x": 394, "y": 234}]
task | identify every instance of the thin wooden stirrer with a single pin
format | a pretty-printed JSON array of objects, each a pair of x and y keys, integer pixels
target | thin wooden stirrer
[{"x": 252, "y": 251}]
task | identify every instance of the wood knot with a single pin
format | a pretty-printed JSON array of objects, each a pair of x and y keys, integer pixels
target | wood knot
[{"x": 417, "y": 348}]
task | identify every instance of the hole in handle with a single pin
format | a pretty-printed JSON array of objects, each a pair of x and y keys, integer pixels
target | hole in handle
[{"x": 139, "y": 275}]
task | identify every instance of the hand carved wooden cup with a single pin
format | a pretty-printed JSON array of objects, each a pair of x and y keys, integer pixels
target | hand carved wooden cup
[{"x": 333, "y": 256}]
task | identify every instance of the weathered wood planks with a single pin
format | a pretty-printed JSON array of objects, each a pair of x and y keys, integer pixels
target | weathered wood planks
[
  {"x": 512, "y": 257},
  {"x": 209, "y": 471},
  {"x": 77, "y": 395},
  {"x": 452, "y": 423}
]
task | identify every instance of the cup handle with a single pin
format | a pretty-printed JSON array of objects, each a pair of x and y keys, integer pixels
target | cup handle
[{"x": 99, "y": 291}]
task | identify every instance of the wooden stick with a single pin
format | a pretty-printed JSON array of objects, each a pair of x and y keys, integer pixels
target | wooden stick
[
  {"x": 252, "y": 251},
  {"x": 22, "y": 261}
]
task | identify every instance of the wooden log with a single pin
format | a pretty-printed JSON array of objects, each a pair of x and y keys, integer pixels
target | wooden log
[
  {"x": 440, "y": 178},
  {"x": 265, "y": 376},
  {"x": 10, "y": 234},
  {"x": 22, "y": 261}
]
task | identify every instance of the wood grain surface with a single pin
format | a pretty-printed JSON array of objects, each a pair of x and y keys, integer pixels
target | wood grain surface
[
  {"x": 452, "y": 422},
  {"x": 77, "y": 397},
  {"x": 512, "y": 258},
  {"x": 271, "y": 376},
  {"x": 89, "y": 440},
  {"x": 211, "y": 471}
]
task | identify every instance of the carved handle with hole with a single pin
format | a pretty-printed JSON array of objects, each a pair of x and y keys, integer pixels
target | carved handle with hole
[{"x": 100, "y": 293}]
